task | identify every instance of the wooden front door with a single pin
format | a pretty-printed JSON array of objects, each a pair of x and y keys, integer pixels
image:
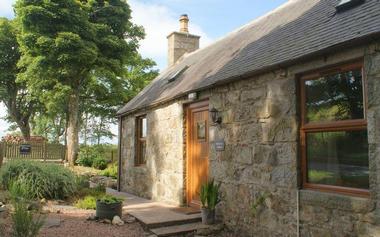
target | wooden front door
[{"x": 197, "y": 150}]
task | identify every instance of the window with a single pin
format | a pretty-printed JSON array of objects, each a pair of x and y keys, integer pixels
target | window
[
  {"x": 141, "y": 132},
  {"x": 334, "y": 142}
]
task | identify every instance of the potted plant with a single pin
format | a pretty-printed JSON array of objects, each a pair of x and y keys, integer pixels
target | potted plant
[
  {"x": 109, "y": 206},
  {"x": 209, "y": 195}
]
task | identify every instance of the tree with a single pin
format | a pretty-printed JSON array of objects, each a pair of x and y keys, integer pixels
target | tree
[
  {"x": 66, "y": 44},
  {"x": 101, "y": 101},
  {"x": 51, "y": 126},
  {"x": 14, "y": 94}
]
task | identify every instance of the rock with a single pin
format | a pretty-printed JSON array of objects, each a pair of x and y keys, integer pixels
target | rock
[
  {"x": 130, "y": 219},
  {"x": 117, "y": 221},
  {"x": 43, "y": 201},
  {"x": 92, "y": 217},
  {"x": 52, "y": 222},
  {"x": 34, "y": 206},
  {"x": 1, "y": 204},
  {"x": 3, "y": 208},
  {"x": 105, "y": 221},
  {"x": 58, "y": 211}
]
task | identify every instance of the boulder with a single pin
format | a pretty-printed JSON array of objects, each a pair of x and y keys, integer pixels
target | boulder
[
  {"x": 92, "y": 217},
  {"x": 117, "y": 221},
  {"x": 34, "y": 206}
]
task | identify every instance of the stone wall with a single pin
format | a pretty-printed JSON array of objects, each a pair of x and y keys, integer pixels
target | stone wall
[
  {"x": 260, "y": 160},
  {"x": 161, "y": 178},
  {"x": 324, "y": 214},
  {"x": 259, "y": 169}
]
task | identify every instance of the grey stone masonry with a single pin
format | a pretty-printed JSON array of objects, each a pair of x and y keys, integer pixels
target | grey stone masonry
[
  {"x": 259, "y": 170},
  {"x": 180, "y": 43},
  {"x": 161, "y": 178}
]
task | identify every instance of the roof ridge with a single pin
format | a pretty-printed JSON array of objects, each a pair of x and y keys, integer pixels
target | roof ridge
[
  {"x": 296, "y": 30},
  {"x": 236, "y": 31}
]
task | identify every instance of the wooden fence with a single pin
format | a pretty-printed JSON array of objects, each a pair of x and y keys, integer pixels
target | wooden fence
[{"x": 33, "y": 150}]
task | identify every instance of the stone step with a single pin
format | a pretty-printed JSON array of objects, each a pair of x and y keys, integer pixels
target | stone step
[
  {"x": 176, "y": 230},
  {"x": 166, "y": 221}
]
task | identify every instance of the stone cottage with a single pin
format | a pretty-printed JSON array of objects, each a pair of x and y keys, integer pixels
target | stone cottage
[{"x": 284, "y": 113}]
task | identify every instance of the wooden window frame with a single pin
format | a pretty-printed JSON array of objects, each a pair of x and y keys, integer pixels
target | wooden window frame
[
  {"x": 330, "y": 126},
  {"x": 140, "y": 141}
]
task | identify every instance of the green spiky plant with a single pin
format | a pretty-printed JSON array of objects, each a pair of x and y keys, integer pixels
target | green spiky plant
[
  {"x": 213, "y": 195},
  {"x": 25, "y": 223},
  {"x": 209, "y": 195},
  {"x": 203, "y": 194}
]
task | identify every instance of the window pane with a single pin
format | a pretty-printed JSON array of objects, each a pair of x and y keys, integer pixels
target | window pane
[
  {"x": 143, "y": 127},
  {"x": 143, "y": 152},
  {"x": 335, "y": 97},
  {"x": 338, "y": 158}
]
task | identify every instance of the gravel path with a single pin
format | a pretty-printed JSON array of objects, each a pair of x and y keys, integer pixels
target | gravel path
[{"x": 76, "y": 225}]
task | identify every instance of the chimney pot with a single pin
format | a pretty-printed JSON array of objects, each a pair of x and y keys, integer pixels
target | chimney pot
[
  {"x": 184, "y": 23},
  {"x": 182, "y": 42}
]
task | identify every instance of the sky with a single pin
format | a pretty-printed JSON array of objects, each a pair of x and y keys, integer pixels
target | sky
[{"x": 211, "y": 19}]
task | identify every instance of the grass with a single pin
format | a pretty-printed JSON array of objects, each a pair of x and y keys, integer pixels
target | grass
[
  {"x": 25, "y": 222},
  {"x": 110, "y": 171}
]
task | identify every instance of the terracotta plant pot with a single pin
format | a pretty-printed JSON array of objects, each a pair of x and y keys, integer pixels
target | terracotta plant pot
[
  {"x": 208, "y": 216},
  {"x": 108, "y": 211}
]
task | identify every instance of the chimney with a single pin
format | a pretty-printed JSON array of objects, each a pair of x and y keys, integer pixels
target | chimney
[{"x": 182, "y": 42}]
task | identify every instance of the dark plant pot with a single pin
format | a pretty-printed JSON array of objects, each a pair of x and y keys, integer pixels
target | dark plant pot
[
  {"x": 208, "y": 216},
  {"x": 108, "y": 211}
]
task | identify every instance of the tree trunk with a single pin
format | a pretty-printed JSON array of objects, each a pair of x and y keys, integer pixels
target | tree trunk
[
  {"x": 25, "y": 129},
  {"x": 73, "y": 128},
  {"x": 99, "y": 135},
  {"x": 85, "y": 129}
]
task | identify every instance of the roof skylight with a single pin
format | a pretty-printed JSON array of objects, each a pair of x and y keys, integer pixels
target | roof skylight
[
  {"x": 344, "y": 5},
  {"x": 172, "y": 77}
]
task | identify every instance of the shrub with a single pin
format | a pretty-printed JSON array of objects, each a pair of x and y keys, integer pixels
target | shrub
[
  {"x": 48, "y": 181},
  {"x": 88, "y": 197},
  {"x": 99, "y": 163},
  {"x": 88, "y": 154},
  {"x": 108, "y": 199},
  {"x": 82, "y": 181},
  {"x": 110, "y": 171},
  {"x": 88, "y": 202},
  {"x": 84, "y": 160},
  {"x": 25, "y": 224}
]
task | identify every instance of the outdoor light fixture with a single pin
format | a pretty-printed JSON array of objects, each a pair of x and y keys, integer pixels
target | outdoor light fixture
[
  {"x": 216, "y": 118},
  {"x": 192, "y": 96}
]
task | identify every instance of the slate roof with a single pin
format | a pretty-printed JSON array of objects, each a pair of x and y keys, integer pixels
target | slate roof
[{"x": 294, "y": 31}]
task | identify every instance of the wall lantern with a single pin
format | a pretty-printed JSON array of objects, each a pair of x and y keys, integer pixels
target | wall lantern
[
  {"x": 192, "y": 96},
  {"x": 215, "y": 116}
]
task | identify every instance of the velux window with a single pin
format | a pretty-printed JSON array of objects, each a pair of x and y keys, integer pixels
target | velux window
[
  {"x": 141, "y": 133},
  {"x": 334, "y": 141}
]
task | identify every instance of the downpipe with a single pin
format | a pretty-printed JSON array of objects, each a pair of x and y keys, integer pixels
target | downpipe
[{"x": 298, "y": 212}]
